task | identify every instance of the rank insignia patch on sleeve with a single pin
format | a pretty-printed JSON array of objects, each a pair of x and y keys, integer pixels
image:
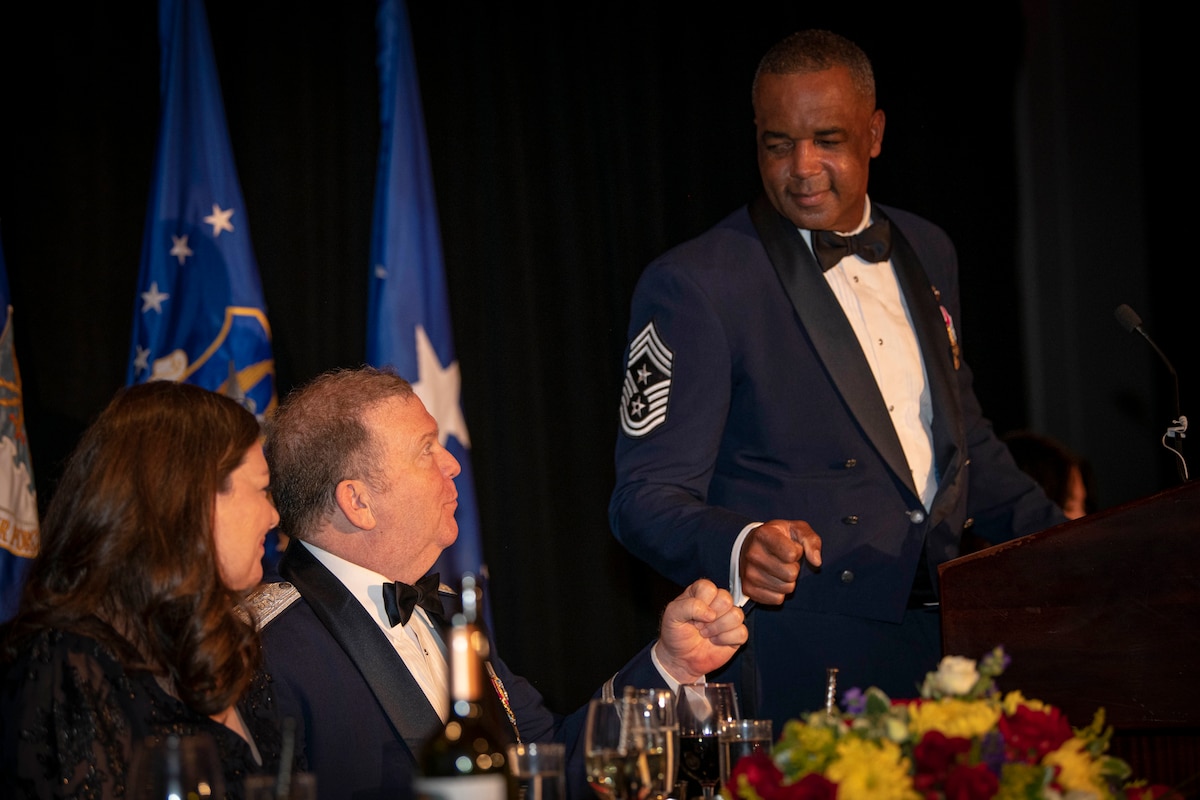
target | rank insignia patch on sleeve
[{"x": 647, "y": 384}]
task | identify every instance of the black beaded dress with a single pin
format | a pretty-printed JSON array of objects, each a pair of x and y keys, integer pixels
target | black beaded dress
[{"x": 71, "y": 716}]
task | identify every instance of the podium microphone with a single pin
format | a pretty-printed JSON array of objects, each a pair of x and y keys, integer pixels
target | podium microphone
[{"x": 1177, "y": 431}]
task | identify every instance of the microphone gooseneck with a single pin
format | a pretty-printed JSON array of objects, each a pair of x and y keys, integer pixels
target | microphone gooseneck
[{"x": 1177, "y": 430}]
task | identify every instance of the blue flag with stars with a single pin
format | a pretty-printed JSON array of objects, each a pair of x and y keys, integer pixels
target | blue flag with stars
[
  {"x": 199, "y": 315},
  {"x": 408, "y": 315},
  {"x": 18, "y": 495}
]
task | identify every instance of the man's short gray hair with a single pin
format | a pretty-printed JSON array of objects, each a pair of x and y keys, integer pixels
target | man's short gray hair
[{"x": 317, "y": 438}]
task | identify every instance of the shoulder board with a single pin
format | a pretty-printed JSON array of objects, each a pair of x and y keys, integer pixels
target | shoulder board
[{"x": 269, "y": 600}]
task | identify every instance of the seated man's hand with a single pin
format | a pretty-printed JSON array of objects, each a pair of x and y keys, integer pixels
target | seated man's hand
[
  {"x": 771, "y": 556},
  {"x": 701, "y": 630}
]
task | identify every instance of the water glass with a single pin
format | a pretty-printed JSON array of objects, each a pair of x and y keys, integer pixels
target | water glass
[
  {"x": 171, "y": 765},
  {"x": 539, "y": 770},
  {"x": 743, "y": 737}
]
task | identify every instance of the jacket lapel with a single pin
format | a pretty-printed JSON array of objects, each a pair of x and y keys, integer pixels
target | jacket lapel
[
  {"x": 832, "y": 338},
  {"x": 949, "y": 437},
  {"x": 398, "y": 693}
]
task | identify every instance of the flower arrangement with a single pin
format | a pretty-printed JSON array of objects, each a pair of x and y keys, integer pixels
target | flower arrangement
[{"x": 960, "y": 740}]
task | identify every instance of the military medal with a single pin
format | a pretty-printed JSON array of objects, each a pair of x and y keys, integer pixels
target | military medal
[{"x": 955, "y": 350}]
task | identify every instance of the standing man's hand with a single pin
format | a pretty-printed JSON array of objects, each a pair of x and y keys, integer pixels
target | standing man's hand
[{"x": 771, "y": 555}]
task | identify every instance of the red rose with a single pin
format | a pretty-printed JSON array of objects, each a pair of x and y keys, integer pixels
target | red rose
[
  {"x": 933, "y": 757},
  {"x": 811, "y": 787},
  {"x": 1029, "y": 735},
  {"x": 971, "y": 783},
  {"x": 762, "y": 774},
  {"x": 936, "y": 753}
]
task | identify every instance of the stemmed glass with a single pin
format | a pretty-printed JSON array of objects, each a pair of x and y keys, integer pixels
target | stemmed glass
[
  {"x": 609, "y": 756},
  {"x": 702, "y": 709},
  {"x": 657, "y": 706},
  {"x": 620, "y": 750}
]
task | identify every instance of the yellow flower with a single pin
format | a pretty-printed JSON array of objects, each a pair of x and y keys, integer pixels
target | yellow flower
[
  {"x": 1078, "y": 771},
  {"x": 815, "y": 739},
  {"x": 1014, "y": 699},
  {"x": 1022, "y": 781},
  {"x": 871, "y": 771},
  {"x": 804, "y": 748},
  {"x": 963, "y": 718}
]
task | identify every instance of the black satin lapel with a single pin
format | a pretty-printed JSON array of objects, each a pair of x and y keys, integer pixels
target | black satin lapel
[
  {"x": 398, "y": 693},
  {"x": 949, "y": 438},
  {"x": 823, "y": 320}
]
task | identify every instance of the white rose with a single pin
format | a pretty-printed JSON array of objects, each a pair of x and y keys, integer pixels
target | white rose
[{"x": 956, "y": 675}]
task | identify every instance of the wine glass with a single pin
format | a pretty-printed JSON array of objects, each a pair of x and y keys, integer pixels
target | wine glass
[
  {"x": 616, "y": 751},
  {"x": 702, "y": 709},
  {"x": 657, "y": 707}
]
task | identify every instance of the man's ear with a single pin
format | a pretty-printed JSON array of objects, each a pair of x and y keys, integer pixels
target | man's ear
[
  {"x": 353, "y": 498},
  {"x": 876, "y": 127}
]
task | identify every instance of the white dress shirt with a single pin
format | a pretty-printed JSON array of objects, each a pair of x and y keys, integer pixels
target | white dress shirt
[{"x": 418, "y": 642}]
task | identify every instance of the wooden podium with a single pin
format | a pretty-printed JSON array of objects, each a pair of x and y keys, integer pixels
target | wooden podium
[{"x": 1100, "y": 612}]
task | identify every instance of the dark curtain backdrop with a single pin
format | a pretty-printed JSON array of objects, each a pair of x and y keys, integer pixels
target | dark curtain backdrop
[{"x": 570, "y": 145}]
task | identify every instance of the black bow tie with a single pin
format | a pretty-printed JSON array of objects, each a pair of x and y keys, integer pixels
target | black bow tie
[
  {"x": 872, "y": 245},
  {"x": 399, "y": 599}
]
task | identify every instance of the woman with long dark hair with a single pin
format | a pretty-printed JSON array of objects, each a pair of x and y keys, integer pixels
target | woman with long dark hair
[{"x": 127, "y": 627}]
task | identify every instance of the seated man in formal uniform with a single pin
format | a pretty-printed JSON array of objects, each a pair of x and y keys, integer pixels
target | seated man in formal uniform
[{"x": 366, "y": 493}]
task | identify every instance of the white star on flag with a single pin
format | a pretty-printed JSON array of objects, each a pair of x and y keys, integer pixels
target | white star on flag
[
  {"x": 181, "y": 249},
  {"x": 438, "y": 387},
  {"x": 153, "y": 299},
  {"x": 142, "y": 360},
  {"x": 220, "y": 220},
  {"x": 381, "y": 272}
]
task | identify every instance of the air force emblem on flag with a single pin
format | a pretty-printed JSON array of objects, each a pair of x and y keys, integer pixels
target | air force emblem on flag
[{"x": 647, "y": 384}]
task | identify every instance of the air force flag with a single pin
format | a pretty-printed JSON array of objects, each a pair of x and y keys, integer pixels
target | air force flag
[
  {"x": 408, "y": 316},
  {"x": 199, "y": 316}
]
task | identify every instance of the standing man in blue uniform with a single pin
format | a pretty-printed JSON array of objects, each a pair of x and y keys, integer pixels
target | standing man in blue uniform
[{"x": 797, "y": 420}]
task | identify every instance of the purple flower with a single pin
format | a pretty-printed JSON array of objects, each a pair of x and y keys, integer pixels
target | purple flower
[
  {"x": 854, "y": 701},
  {"x": 992, "y": 751}
]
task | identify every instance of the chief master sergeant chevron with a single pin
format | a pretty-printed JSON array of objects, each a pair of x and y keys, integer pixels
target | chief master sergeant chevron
[{"x": 797, "y": 422}]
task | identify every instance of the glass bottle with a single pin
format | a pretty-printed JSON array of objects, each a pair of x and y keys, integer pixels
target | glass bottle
[{"x": 466, "y": 760}]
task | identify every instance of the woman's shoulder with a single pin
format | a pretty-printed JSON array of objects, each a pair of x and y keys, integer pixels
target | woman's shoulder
[
  {"x": 76, "y": 672},
  {"x": 54, "y": 672},
  {"x": 67, "y": 704},
  {"x": 52, "y": 649}
]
